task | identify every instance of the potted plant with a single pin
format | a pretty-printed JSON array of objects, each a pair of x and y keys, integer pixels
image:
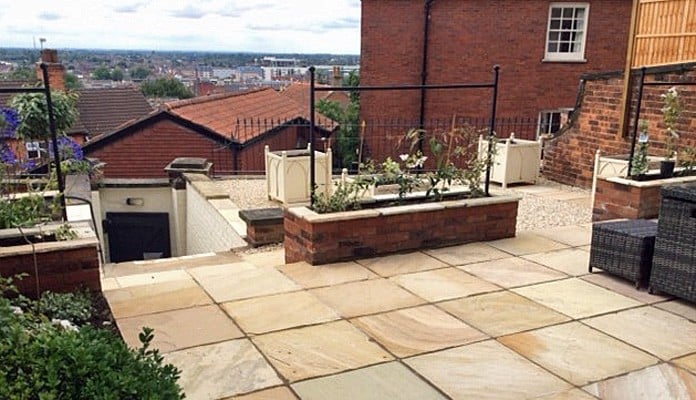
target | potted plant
[
  {"x": 670, "y": 114},
  {"x": 639, "y": 163}
]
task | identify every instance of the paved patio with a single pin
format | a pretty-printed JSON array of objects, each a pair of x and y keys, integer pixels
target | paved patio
[{"x": 517, "y": 318}]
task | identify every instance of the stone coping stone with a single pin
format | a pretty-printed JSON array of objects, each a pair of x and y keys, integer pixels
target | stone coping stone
[
  {"x": 262, "y": 216},
  {"x": 314, "y": 217},
  {"x": 650, "y": 183}
]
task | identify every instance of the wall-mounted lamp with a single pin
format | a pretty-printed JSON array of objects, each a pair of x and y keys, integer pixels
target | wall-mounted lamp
[{"x": 135, "y": 201}]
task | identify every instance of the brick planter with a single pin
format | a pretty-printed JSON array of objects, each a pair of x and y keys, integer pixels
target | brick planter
[
  {"x": 326, "y": 238},
  {"x": 617, "y": 197},
  {"x": 62, "y": 266}
]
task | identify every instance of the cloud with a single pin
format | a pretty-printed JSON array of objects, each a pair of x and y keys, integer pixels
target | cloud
[
  {"x": 287, "y": 27},
  {"x": 342, "y": 23},
  {"x": 49, "y": 16},
  {"x": 128, "y": 7},
  {"x": 190, "y": 12},
  {"x": 231, "y": 10}
]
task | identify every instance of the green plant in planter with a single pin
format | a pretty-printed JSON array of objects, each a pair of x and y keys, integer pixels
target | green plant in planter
[
  {"x": 687, "y": 160},
  {"x": 639, "y": 163},
  {"x": 671, "y": 109}
]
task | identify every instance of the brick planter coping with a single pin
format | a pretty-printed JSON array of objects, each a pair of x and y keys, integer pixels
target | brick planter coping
[
  {"x": 618, "y": 197},
  {"x": 343, "y": 236},
  {"x": 62, "y": 266}
]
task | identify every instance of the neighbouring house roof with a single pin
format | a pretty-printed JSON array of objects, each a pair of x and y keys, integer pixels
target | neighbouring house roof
[
  {"x": 243, "y": 116},
  {"x": 100, "y": 110},
  {"x": 105, "y": 109},
  {"x": 299, "y": 91}
]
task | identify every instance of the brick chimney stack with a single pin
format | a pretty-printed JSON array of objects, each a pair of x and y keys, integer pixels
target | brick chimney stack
[
  {"x": 337, "y": 76},
  {"x": 56, "y": 70}
]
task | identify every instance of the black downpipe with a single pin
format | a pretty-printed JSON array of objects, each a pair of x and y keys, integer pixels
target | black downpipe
[{"x": 424, "y": 71}]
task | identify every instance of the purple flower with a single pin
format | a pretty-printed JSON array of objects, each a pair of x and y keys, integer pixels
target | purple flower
[
  {"x": 68, "y": 149},
  {"x": 7, "y": 156},
  {"x": 9, "y": 121}
]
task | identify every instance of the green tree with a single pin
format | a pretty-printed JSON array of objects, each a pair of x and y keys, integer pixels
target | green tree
[
  {"x": 165, "y": 87},
  {"x": 20, "y": 73},
  {"x": 72, "y": 82},
  {"x": 33, "y": 112},
  {"x": 347, "y": 137},
  {"x": 117, "y": 74},
  {"x": 140, "y": 72},
  {"x": 101, "y": 73}
]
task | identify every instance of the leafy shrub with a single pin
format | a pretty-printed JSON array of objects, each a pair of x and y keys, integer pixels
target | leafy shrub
[
  {"x": 75, "y": 307},
  {"x": 44, "y": 361}
]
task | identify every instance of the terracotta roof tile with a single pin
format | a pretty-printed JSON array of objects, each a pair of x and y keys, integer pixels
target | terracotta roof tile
[
  {"x": 299, "y": 91},
  {"x": 262, "y": 110}
]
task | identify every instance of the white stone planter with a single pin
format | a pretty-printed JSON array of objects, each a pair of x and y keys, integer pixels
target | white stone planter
[
  {"x": 287, "y": 174},
  {"x": 516, "y": 160}
]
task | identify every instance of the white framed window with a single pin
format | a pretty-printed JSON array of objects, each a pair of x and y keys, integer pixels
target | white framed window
[
  {"x": 566, "y": 32},
  {"x": 34, "y": 149},
  {"x": 551, "y": 121}
]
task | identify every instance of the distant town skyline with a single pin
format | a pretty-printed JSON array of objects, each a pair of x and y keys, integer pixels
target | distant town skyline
[{"x": 270, "y": 26}]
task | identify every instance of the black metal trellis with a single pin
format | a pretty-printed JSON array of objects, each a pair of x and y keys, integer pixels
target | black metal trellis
[
  {"x": 46, "y": 90},
  {"x": 312, "y": 88},
  {"x": 636, "y": 117}
]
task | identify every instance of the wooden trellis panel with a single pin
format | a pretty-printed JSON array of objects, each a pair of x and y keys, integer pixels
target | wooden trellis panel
[{"x": 665, "y": 32}]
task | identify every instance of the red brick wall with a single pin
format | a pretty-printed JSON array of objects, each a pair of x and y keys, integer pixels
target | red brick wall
[
  {"x": 145, "y": 153},
  {"x": 569, "y": 158},
  {"x": 467, "y": 38},
  {"x": 251, "y": 158},
  {"x": 59, "y": 271},
  {"x": 354, "y": 238}
]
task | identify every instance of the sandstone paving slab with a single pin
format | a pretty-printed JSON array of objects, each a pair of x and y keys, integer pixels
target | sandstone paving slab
[
  {"x": 527, "y": 243},
  {"x": 281, "y": 311},
  {"x": 276, "y": 393},
  {"x": 485, "y": 370},
  {"x": 443, "y": 284},
  {"x": 659, "y": 382},
  {"x": 266, "y": 258},
  {"x": 180, "y": 329},
  {"x": 679, "y": 307},
  {"x": 319, "y": 350},
  {"x": 166, "y": 296},
  {"x": 242, "y": 280},
  {"x": 418, "y": 330},
  {"x": 502, "y": 313},
  {"x": 109, "y": 284},
  {"x": 152, "y": 278},
  {"x": 623, "y": 286},
  {"x": 576, "y": 298},
  {"x": 688, "y": 363},
  {"x": 572, "y": 261},
  {"x": 573, "y": 235},
  {"x": 313, "y": 276},
  {"x": 169, "y": 264},
  {"x": 578, "y": 353},
  {"x": 402, "y": 264},
  {"x": 366, "y": 297},
  {"x": 467, "y": 253},
  {"x": 572, "y": 394},
  {"x": 512, "y": 272},
  {"x": 656, "y": 331},
  {"x": 385, "y": 381},
  {"x": 222, "y": 370}
]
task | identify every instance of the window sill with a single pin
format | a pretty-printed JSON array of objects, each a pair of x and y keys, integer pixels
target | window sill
[{"x": 570, "y": 61}]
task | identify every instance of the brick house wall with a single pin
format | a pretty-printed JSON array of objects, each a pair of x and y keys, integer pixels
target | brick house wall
[
  {"x": 466, "y": 38},
  {"x": 569, "y": 158},
  {"x": 145, "y": 152}
]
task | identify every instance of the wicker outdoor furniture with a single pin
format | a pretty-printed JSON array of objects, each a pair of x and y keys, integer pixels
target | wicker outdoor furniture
[
  {"x": 674, "y": 262},
  {"x": 624, "y": 248}
]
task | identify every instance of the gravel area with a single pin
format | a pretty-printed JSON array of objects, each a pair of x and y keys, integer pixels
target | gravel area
[{"x": 536, "y": 209}]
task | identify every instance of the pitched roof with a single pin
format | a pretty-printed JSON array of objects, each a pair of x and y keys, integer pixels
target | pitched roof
[
  {"x": 241, "y": 116},
  {"x": 11, "y": 84},
  {"x": 103, "y": 110}
]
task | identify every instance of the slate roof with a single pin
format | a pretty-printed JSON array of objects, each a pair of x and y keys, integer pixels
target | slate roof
[
  {"x": 242, "y": 116},
  {"x": 103, "y": 110}
]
